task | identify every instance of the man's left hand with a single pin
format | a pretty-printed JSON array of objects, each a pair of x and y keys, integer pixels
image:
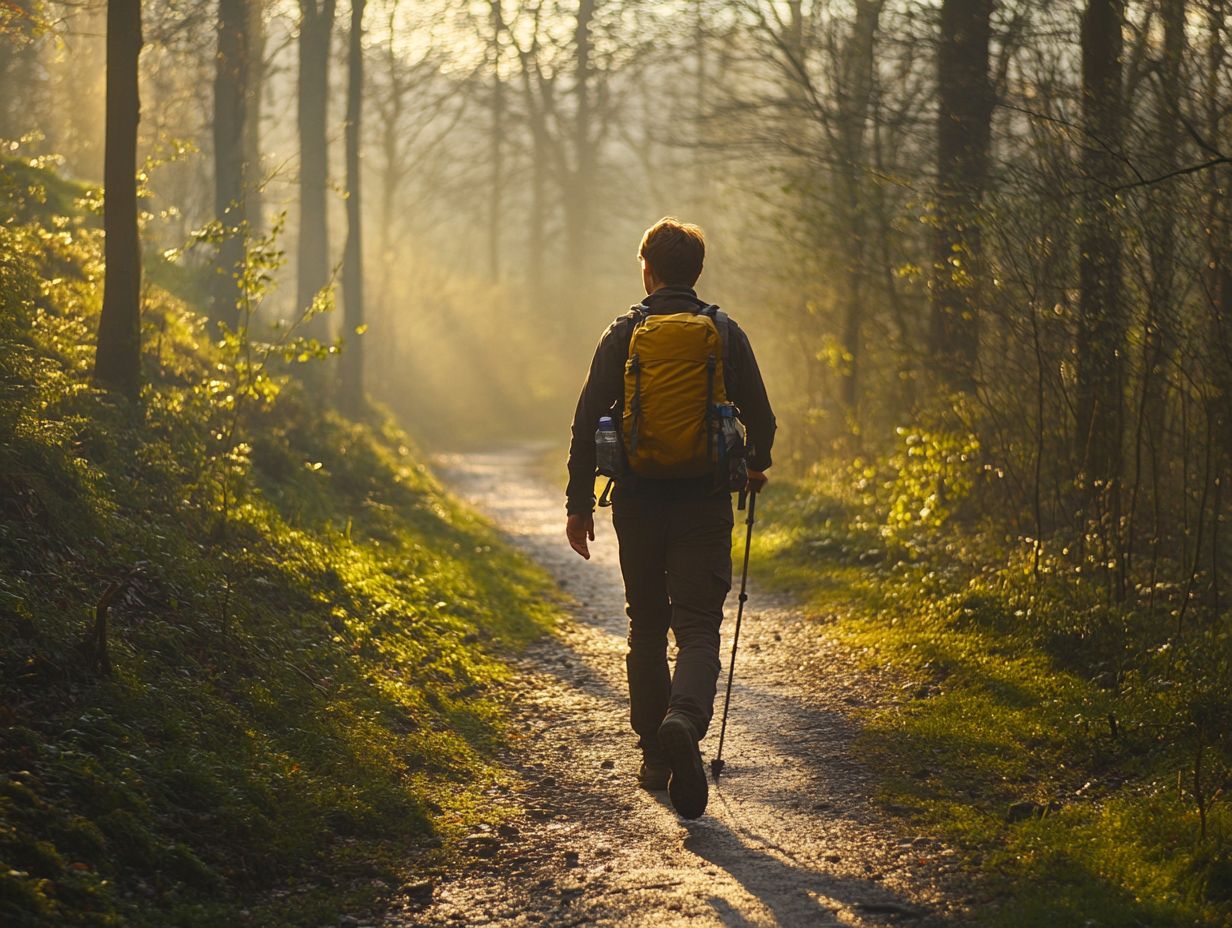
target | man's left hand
[
  {"x": 757, "y": 481},
  {"x": 579, "y": 529}
]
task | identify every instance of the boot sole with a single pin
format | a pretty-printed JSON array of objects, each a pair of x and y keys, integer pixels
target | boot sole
[
  {"x": 687, "y": 789},
  {"x": 654, "y": 784}
]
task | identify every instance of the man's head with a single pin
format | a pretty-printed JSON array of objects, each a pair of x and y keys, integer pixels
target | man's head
[{"x": 672, "y": 253}]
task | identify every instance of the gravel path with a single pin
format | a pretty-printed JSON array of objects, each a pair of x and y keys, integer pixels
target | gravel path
[{"x": 791, "y": 836}]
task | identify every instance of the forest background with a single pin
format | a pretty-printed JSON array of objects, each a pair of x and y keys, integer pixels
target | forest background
[{"x": 984, "y": 250}]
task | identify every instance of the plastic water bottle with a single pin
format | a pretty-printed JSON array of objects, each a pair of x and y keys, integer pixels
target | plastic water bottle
[
  {"x": 730, "y": 426},
  {"x": 608, "y": 457},
  {"x": 732, "y": 448}
]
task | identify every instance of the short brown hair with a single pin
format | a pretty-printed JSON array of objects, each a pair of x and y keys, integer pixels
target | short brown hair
[{"x": 674, "y": 250}]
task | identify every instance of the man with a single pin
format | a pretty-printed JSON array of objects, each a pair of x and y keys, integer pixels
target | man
[{"x": 674, "y": 533}]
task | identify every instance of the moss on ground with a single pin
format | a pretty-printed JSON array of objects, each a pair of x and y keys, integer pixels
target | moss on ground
[
  {"x": 303, "y": 703},
  {"x": 1051, "y": 741}
]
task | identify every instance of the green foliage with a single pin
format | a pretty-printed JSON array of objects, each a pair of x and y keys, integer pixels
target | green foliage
[
  {"x": 918, "y": 486},
  {"x": 304, "y": 646},
  {"x": 1077, "y": 754},
  {"x": 30, "y": 191}
]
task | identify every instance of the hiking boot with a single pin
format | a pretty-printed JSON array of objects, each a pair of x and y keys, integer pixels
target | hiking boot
[
  {"x": 687, "y": 788},
  {"x": 654, "y": 773}
]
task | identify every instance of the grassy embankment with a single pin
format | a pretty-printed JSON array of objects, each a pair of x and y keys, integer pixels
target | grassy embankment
[
  {"x": 301, "y": 708},
  {"x": 1051, "y": 739}
]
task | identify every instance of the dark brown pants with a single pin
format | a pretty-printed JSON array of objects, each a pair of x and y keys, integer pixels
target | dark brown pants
[{"x": 675, "y": 556}]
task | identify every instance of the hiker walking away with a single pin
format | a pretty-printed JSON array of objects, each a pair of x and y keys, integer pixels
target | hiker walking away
[{"x": 678, "y": 410}]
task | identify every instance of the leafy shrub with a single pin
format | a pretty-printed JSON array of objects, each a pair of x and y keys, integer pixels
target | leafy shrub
[
  {"x": 297, "y": 682},
  {"x": 916, "y": 488}
]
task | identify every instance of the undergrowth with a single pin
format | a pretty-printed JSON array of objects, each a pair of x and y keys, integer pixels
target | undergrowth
[
  {"x": 1077, "y": 755},
  {"x": 297, "y": 702}
]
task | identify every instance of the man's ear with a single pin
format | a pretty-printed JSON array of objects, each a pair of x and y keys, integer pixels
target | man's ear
[{"x": 649, "y": 278}]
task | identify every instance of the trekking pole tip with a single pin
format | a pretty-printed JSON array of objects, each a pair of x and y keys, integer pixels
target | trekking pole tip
[{"x": 716, "y": 767}]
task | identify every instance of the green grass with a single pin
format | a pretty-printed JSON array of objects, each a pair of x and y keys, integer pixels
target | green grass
[
  {"x": 304, "y": 702},
  {"x": 999, "y": 737}
]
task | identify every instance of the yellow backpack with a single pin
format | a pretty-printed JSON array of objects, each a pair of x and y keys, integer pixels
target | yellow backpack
[{"x": 673, "y": 384}]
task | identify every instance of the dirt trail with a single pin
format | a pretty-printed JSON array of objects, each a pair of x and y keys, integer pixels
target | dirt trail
[{"x": 790, "y": 837}]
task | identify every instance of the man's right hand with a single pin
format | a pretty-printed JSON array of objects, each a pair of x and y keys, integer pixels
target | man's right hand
[
  {"x": 757, "y": 481},
  {"x": 579, "y": 528}
]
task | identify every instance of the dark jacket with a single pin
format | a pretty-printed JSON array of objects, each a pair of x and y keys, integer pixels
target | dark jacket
[{"x": 604, "y": 388}]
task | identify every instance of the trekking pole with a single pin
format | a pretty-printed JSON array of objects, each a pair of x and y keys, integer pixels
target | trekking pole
[{"x": 716, "y": 765}]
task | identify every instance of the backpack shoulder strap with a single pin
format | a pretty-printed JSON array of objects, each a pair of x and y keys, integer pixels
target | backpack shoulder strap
[
  {"x": 721, "y": 323},
  {"x": 636, "y": 314}
]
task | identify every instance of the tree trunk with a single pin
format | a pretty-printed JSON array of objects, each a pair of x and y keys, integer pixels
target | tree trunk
[
  {"x": 580, "y": 188},
  {"x": 965, "y": 103},
  {"x": 497, "y": 148},
  {"x": 313, "y": 263},
  {"x": 1100, "y": 339},
  {"x": 392, "y": 169},
  {"x": 391, "y": 182},
  {"x": 537, "y": 237},
  {"x": 1159, "y": 327},
  {"x": 1220, "y": 238},
  {"x": 538, "y": 219},
  {"x": 856, "y": 94},
  {"x": 117, "y": 363},
  {"x": 254, "y": 168},
  {"x": 352, "y": 260},
  {"x": 230, "y": 118},
  {"x": 701, "y": 192},
  {"x": 1219, "y": 324}
]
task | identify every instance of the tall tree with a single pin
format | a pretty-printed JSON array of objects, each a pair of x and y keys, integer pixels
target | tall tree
[
  {"x": 1158, "y": 326},
  {"x": 1099, "y": 401},
  {"x": 1219, "y": 197},
  {"x": 579, "y": 191},
  {"x": 254, "y": 169},
  {"x": 965, "y": 100},
  {"x": 497, "y": 144},
  {"x": 537, "y": 236},
  {"x": 231, "y": 93},
  {"x": 353, "y": 254},
  {"x": 117, "y": 362},
  {"x": 313, "y": 264},
  {"x": 537, "y": 96},
  {"x": 855, "y": 95}
]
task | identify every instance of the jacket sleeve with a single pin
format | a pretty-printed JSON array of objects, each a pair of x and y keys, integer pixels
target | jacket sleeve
[
  {"x": 603, "y": 387},
  {"x": 748, "y": 392}
]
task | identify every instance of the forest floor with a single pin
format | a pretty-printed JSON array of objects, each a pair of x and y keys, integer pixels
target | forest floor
[{"x": 792, "y": 835}]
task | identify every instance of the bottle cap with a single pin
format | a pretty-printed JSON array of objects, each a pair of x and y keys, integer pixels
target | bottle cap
[{"x": 605, "y": 420}]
